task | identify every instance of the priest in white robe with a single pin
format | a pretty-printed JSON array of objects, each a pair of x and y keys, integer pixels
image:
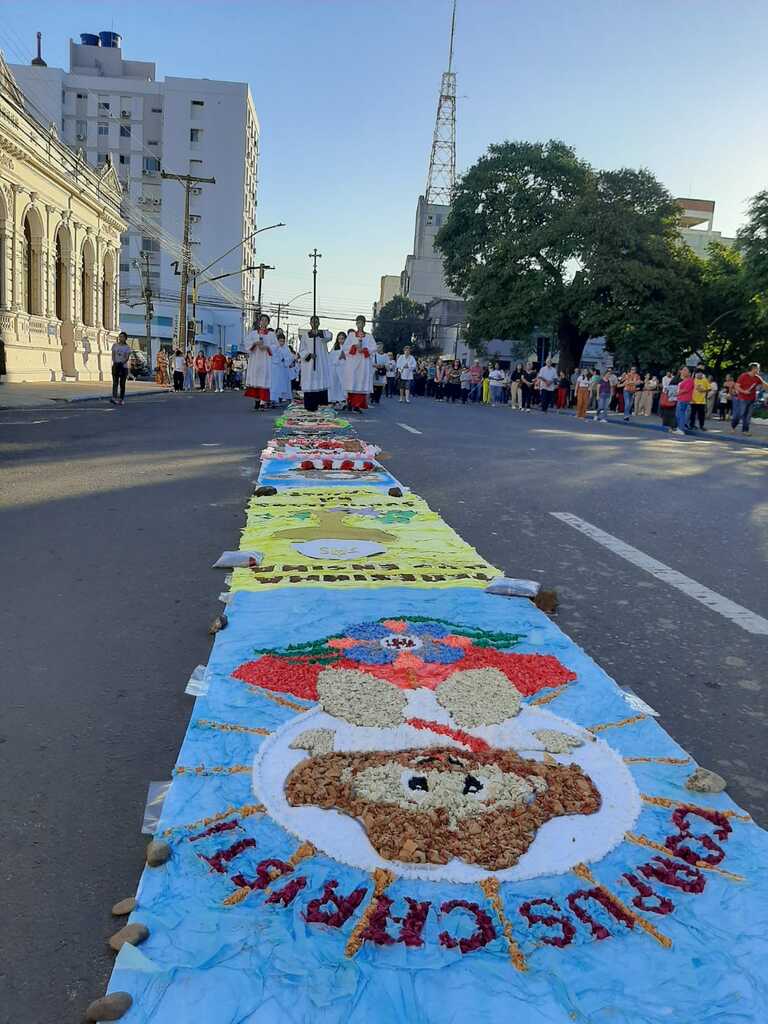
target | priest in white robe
[
  {"x": 337, "y": 394},
  {"x": 315, "y": 367},
  {"x": 359, "y": 350},
  {"x": 282, "y": 357},
  {"x": 259, "y": 344}
]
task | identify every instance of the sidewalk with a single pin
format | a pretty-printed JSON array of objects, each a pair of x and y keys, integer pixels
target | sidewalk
[
  {"x": 717, "y": 430},
  {"x": 29, "y": 396}
]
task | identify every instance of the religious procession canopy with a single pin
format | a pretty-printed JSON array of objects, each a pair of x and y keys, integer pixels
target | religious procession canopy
[{"x": 406, "y": 799}]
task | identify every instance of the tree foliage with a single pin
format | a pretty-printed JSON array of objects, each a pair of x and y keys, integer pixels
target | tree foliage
[
  {"x": 401, "y": 322},
  {"x": 537, "y": 238},
  {"x": 752, "y": 241}
]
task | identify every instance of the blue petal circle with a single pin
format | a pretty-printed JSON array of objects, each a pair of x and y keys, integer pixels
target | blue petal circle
[
  {"x": 440, "y": 654},
  {"x": 370, "y": 655},
  {"x": 367, "y": 631},
  {"x": 426, "y": 629}
]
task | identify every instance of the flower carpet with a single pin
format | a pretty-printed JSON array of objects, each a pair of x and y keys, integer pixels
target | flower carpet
[{"x": 408, "y": 800}]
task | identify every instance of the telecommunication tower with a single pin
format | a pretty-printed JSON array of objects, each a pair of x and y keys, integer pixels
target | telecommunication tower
[{"x": 442, "y": 160}]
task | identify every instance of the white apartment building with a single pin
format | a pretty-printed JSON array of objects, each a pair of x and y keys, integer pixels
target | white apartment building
[{"x": 106, "y": 104}]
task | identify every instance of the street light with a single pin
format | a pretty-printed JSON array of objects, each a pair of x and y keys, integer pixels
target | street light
[
  {"x": 238, "y": 244},
  {"x": 287, "y": 304},
  {"x": 199, "y": 273}
]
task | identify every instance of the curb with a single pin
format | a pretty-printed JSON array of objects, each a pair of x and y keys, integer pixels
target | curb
[{"x": 45, "y": 402}]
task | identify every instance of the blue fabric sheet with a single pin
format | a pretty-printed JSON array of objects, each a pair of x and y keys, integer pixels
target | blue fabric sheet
[{"x": 259, "y": 963}]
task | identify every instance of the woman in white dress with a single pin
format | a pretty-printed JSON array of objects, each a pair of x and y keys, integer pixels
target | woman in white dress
[
  {"x": 359, "y": 350},
  {"x": 259, "y": 344},
  {"x": 280, "y": 385},
  {"x": 336, "y": 358},
  {"x": 315, "y": 367}
]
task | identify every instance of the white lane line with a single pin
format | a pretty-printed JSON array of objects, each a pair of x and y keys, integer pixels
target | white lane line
[
  {"x": 21, "y": 423},
  {"x": 411, "y": 430},
  {"x": 743, "y": 617}
]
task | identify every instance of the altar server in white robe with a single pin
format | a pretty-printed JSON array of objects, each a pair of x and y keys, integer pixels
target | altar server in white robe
[
  {"x": 315, "y": 367},
  {"x": 359, "y": 350},
  {"x": 337, "y": 394},
  {"x": 259, "y": 344},
  {"x": 282, "y": 357}
]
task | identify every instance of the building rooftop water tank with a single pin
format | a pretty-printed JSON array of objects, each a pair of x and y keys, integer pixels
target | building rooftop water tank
[
  {"x": 89, "y": 39},
  {"x": 110, "y": 38}
]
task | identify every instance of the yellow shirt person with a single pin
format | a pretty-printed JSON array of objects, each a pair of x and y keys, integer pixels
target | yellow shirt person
[{"x": 700, "y": 390}]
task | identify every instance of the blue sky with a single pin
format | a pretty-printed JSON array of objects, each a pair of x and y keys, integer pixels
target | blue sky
[{"x": 346, "y": 94}]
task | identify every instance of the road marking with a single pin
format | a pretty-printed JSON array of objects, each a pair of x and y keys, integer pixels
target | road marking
[
  {"x": 743, "y": 617},
  {"x": 21, "y": 423},
  {"x": 411, "y": 430}
]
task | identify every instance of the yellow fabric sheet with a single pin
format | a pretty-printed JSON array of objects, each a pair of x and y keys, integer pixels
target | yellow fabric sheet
[{"x": 419, "y": 549}]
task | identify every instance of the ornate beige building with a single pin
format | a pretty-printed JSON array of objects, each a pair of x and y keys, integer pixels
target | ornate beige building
[{"x": 60, "y": 231}]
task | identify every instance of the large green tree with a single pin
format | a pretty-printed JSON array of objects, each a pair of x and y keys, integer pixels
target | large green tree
[
  {"x": 538, "y": 238},
  {"x": 752, "y": 241},
  {"x": 734, "y": 332},
  {"x": 401, "y": 322}
]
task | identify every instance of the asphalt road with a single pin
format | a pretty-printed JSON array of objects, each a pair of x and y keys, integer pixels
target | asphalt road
[{"x": 111, "y": 518}]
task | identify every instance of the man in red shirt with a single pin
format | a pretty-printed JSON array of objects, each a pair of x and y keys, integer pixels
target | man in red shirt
[
  {"x": 219, "y": 365},
  {"x": 745, "y": 396}
]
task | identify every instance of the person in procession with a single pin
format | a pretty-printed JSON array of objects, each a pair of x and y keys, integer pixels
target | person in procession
[
  {"x": 359, "y": 350},
  {"x": 336, "y": 358},
  {"x": 260, "y": 343},
  {"x": 406, "y": 368},
  {"x": 189, "y": 371},
  {"x": 200, "y": 369},
  {"x": 392, "y": 375},
  {"x": 380, "y": 361},
  {"x": 744, "y": 396},
  {"x": 121, "y": 353},
  {"x": 668, "y": 403},
  {"x": 496, "y": 384},
  {"x": 699, "y": 400},
  {"x": 684, "y": 394},
  {"x": 179, "y": 369},
  {"x": 280, "y": 383},
  {"x": 315, "y": 365},
  {"x": 583, "y": 391},
  {"x": 547, "y": 379},
  {"x": 219, "y": 368},
  {"x": 514, "y": 386},
  {"x": 604, "y": 393},
  {"x": 629, "y": 383}
]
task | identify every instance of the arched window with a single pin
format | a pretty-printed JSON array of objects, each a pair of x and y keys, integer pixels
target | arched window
[
  {"x": 26, "y": 267},
  {"x": 32, "y": 262},
  {"x": 108, "y": 291},
  {"x": 86, "y": 283},
  {"x": 5, "y": 298},
  {"x": 59, "y": 279},
  {"x": 62, "y": 283}
]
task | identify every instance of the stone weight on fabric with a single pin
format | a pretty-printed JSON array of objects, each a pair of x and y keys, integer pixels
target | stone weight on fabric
[
  {"x": 705, "y": 781},
  {"x": 158, "y": 852},
  {"x": 124, "y": 907},
  {"x": 111, "y": 1007},
  {"x": 132, "y": 933}
]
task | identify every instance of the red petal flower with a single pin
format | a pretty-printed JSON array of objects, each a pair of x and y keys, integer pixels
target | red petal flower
[{"x": 294, "y": 676}]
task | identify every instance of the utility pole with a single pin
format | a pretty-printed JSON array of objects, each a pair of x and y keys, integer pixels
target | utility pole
[
  {"x": 187, "y": 180},
  {"x": 148, "y": 307},
  {"x": 262, "y": 268}
]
